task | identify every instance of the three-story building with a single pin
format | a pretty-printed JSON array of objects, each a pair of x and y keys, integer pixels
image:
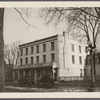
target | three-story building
[{"x": 57, "y": 56}]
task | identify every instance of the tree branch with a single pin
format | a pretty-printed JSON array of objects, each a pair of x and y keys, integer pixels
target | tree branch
[{"x": 24, "y": 19}]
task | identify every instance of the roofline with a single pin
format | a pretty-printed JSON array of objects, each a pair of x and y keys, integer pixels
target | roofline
[{"x": 38, "y": 40}]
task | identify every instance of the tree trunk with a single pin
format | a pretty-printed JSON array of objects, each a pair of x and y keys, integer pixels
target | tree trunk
[{"x": 1, "y": 51}]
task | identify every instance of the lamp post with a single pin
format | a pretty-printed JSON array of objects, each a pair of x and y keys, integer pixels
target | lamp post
[{"x": 91, "y": 49}]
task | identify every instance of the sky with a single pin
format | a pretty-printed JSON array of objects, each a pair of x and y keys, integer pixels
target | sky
[{"x": 16, "y": 29}]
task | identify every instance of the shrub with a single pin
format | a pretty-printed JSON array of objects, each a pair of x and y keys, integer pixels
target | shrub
[
  {"x": 46, "y": 80},
  {"x": 26, "y": 80}
]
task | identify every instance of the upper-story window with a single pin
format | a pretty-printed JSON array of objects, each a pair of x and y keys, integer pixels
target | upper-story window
[
  {"x": 32, "y": 60},
  {"x": 44, "y": 47},
  {"x": 52, "y": 57},
  {"x": 37, "y": 59},
  {"x": 21, "y": 61},
  {"x": 26, "y": 61},
  {"x": 52, "y": 46},
  {"x": 80, "y": 59},
  {"x": 73, "y": 59},
  {"x": 44, "y": 58},
  {"x": 26, "y": 51},
  {"x": 21, "y": 52},
  {"x": 80, "y": 49},
  {"x": 37, "y": 49},
  {"x": 31, "y": 50},
  {"x": 72, "y": 45}
]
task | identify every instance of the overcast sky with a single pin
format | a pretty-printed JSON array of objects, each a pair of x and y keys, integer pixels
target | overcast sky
[{"x": 16, "y": 29}]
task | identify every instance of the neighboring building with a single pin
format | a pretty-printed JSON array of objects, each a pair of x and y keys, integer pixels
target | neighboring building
[
  {"x": 58, "y": 56},
  {"x": 72, "y": 60},
  {"x": 88, "y": 66},
  {"x": 8, "y": 72}
]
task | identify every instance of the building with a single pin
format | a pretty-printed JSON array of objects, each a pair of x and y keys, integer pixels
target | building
[
  {"x": 58, "y": 56},
  {"x": 88, "y": 66},
  {"x": 71, "y": 59}
]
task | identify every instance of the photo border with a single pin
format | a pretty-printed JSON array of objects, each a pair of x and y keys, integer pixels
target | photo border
[{"x": 49, "y": 98}]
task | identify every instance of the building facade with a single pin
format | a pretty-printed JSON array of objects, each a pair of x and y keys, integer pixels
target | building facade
[
  {"x": 57, "y": 56},
  {"x": 71, "y": 59},
  {"x": 88, "y": 66}
]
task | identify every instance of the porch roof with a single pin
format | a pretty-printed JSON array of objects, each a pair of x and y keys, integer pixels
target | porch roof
[{"x": 34, "y": 66}]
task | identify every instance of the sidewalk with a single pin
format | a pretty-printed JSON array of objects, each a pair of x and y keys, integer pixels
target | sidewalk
[{"x": 30, "y": 89}]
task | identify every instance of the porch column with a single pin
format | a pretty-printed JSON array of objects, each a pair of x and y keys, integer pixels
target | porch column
[
  {"x": 30, "y": 72},
  {"x": 43, "y": 71},
  {"x": 23, "y": 72},
  {"x": 35, "y": 75},
  {"x": 18, "y": 74},
  {"x": 13, "y": 75}
]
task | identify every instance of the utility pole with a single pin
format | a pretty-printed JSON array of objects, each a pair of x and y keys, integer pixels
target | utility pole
[{"x": 91, "y": 50}]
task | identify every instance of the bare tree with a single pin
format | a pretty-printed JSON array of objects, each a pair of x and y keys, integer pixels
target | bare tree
[
  {"x": 11, "y": 54},
  {"x": 1, "y": 51},
  {"x": 85, "y": 19},
  {"x": 2, "y": 78}
]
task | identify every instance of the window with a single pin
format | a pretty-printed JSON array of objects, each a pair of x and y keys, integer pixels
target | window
[
  {"x": 31, "y": 50},
  {"x": 52, "y": 46},
  {"x": 21, "y": 52},
  {"x": 53, "y": 57},
  {"x": 37, "y": 59},
  {"x": 31, "y": 60},
  {"x": 73, "y": 59},
  {"x": 80, "y": 59},
  {"x": 79, "y": 49},
  {"x": 72, "y": 47},
  {"x": 21, "y": 61},
  {"x": 44, "y": 58},
  {"x": 44, "y": 47},
  {"x": 81, "y": 72},
  {"x": 84, "y": 72},
  {"x": 26, "y": 61},
  {"x": 37, "y": 48},
  {"x": 26, "y": 51}
]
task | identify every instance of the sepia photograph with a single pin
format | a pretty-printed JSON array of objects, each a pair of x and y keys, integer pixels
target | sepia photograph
[{"x": 50, "y": 49}]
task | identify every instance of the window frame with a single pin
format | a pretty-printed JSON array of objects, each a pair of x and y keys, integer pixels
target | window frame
[
  {"x": 37, "y": 48},
  {"x": 73, "y": 59},
  {"x": 53, "y": 57},
  {"x": 32, "y": 60},
  {"x": 44, "y": 58},
  {"x": 26, "y": 51},
  {"x": 80, "y": 60},
  {"x": 52, "y": 46},
  {"x": 80, "y": 49},
  {"x": 37, "y": 59},
  {"x": 44, "y": 47},
  {"x": 32, "y": 50}
]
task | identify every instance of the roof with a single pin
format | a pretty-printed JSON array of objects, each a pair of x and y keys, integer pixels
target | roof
[{"x": 54, "y": 36}]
